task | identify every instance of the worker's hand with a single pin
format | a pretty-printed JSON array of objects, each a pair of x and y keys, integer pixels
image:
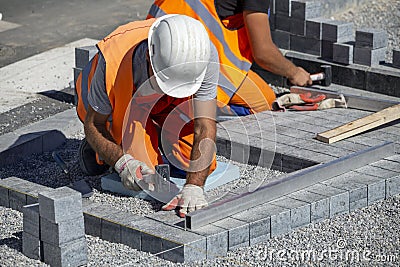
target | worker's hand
[
  {"x": 131, "y": 172},
  {"x": 300, "y": 77},
  {"x": 189, "y": 199}
]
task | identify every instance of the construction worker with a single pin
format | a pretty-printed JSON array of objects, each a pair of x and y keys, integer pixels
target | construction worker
[
  {"x": 152, "y": 78},
  {"x": 241, "y": 33}
]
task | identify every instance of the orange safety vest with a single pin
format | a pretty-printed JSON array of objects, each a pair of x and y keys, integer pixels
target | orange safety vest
[
  {"x": 232, "y": 44},
  {"x": 117, "y": 49}
]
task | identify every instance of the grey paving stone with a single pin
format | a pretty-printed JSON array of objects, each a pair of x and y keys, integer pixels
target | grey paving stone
[
  {"x": 60, "y": 204},
  {"x": 338, "y": 198},
  {"x": 272, "y": 21},
  {"x": 283, "y": 7},
  {"x": 17, "y": 200},
  {"x": 314, "y": 27},
  {"x": 184, "y": 247},
  {"x": 376, "y": 171},
  {"x": 5, "y": 185},
  {"x": 352, "y": 75},
  {"x": 21, "y": 146},
  {"x": 31, "y": 219},
  {"x": 396, "y": 58},
  {"x": 238, "y": 232},
  {"x": 259, "y": 219},
  {"x": 305, "y": 45},
  {"x": 112, "y": 224},
  {"x": 70, "y": 254},
  {"x": 282, "y": 22},
  {"x": 168, "y": 217},
  {"x": 357, "y": 191},
  {"x": 381, "y": 80},
  {"x": 93, "y": 215},
  {"x": 368, "y": 56},
  {"x": 4, "y": 199},
  {"x": 280, "y": 222},
  {"x": 395, "y": 158},
  {"x": 63, "y": 232},
  {"x": 371, "y": 38},
  {"x": 343, "y": 53},
  {"x": 300, "y": 211},
  {"x": 319, "y": 204},
  {"x": 337, "y": 31},
  {"x": 304, "y": 9},
  {"x": 297, "y": 27},
  {"x": 31, "y": 246},
  {"x": 393, "y": 186},
  {"x": 388, "y": 165},
  {"x": 217, "y": 240},
  {"x": 83, "y": 55},
  {"x": 282, "y": 40},
  {"x": 327, "y": 49}
]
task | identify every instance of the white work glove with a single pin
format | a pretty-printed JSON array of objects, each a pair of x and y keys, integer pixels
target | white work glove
[
  {"x": 189, "y": 199},
  {"x": 131, "y": 172}
]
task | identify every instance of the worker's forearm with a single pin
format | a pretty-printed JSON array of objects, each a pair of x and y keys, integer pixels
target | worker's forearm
[
  {"x": 102, "y": 142},
  {"x": 276, "y": 63},
  {"x": 203, "y": 152}
]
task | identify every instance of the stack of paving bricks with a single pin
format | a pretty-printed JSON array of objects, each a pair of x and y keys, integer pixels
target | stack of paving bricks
[
  {"x": 310, "y": 40},
  {"x": 54, "y": 228}
]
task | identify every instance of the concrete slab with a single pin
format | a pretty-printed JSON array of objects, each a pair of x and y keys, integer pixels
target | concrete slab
[
  {"x": 216, "y": 238},
  {"x": 51, "y": 70},
  {"x": 238, "y": 232}
]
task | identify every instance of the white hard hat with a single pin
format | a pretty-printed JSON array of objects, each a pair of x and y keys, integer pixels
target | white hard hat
[{"x": 179, "y": 49}]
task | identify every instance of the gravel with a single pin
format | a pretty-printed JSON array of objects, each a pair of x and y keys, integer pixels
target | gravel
[{"x": 372, "y": 232}]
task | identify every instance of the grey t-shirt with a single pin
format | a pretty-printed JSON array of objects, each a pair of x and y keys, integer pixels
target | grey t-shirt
[{"x": 98, "y": 98}]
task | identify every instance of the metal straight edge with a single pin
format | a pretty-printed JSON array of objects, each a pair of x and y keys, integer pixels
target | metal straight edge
[
  {"x": 288, "y": 184},
  {"x": 353, "y": 101}
]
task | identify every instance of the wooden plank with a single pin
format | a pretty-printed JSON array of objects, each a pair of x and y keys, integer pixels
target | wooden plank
[{"x": 360, "y": 125}]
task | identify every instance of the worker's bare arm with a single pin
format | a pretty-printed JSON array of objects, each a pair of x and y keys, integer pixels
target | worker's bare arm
[
  {"x": 265, "y": 52},
  {"x": 204, "y": 142},
  {"x": 99, "y": 138}
]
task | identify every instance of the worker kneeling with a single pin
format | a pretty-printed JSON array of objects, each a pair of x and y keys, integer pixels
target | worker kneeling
[{"x": 151, "y": 88}]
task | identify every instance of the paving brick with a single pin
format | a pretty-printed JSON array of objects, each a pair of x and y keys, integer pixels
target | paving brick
[
  {"x": 376, "y": 171},
  {"x": 305, "y": 45},
  {"x": 112, "y": 224},
  {"x": 216, "y": 238},
  {"x": 319, "y": 204},
  {"x": 357, "y": 191},
  {"x": 17, "y": 200},
  {"x": 343, "y": 53},
  {"x": 281, "y": 39},
  {"x": 31, "y": 246},
  {"x": 327, "y": 49},
  {"x": 354, "y": 76},
  {"x": 338, "y": 198},
  {"x": 269, "y": 76},
  {"x": 272, "y": 22},
  {"x": 369, "y": 57},
  {"x": 92, "y": 217},
  {"x": 5, "y": 185},
  {"x": 168, "y": 217},
  {"x": 314, "y": 27},
  {"x": 299, "y": 210},
  {"x": 83, "y": 55},
  {"x": 21, "y": 146},
  {"x": 396, "y": 58},
  {"x": 283, "y": 7},
  {"x": 297, "y": 27},
  {"x": 63, "y": 232},
  {"x": 371, "y": 38},
  {"x": 387, "y": 165},
  {"x": 70, "y": 254},
  {"x": 31, "y": 219},
  {"x": 60, "y": 204},
  {"x": 238, "y": 232},
  {"x": 337, "y": 31},
  {"x": 305, "y": 9},
  {"x": 282, "y": 22},
  {"x": 393, "y": 186}
]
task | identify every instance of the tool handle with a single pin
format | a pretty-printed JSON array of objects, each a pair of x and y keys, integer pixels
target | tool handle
[
  {"x": 317, "y": 76},
  {"x": 60, "y": 162}
]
